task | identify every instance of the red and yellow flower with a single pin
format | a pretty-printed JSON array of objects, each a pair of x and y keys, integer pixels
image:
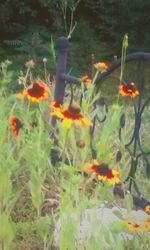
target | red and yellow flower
[
  {"x": 138, "y": 227},
  {"x": 147, "y": 209},
  {"x": 146, "y": 224},
  {"x": 37, "y": 92},
  {"x": 86, "y": 80},
  {"x": 101, "y": 66},
  {"x": 132, "y": 226},
  {"x": 55, "y": 105},
  {"x": 15, "y": 125},
  {"x": 71, "y": 115},
  {"x": 128, "y": 89},
  {"x": 103, "y": 172}
]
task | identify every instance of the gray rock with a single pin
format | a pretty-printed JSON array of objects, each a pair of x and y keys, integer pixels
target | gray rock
[{"x": 94, "y": 220}]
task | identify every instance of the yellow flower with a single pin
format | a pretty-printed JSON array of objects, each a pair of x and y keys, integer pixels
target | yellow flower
[
  {"x": 103, "y": 172},
  {"x": 86, "y": 80},
  {"x": 71, "y": 115},
  {"x": 136, "y": 227},
  {"x": 128, "y": 90},
  {"x": 133, "y": 226},
  {"x": 147, "y": 209},
  {"x": 55, "y": 105},
  {"x": 146, "y": 224},
  {"x": 20, "y": 96},
  {"x": 101, "y": 66},
  {"x": 37, "y": 92}
]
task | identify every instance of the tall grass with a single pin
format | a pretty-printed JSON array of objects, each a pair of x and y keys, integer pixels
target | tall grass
[{"x": 36, "y": 194}]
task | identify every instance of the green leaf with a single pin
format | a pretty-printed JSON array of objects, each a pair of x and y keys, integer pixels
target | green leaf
[
  {"x": 128, "y": 202},
  {"x": 118, "y": 214},
  {"x": 5, "y": 188},
  {"x": 35, "y": 185},
  {"x": 43, "y": 226},
  {"x": 116, "y": 227},
  {"x": 6, "y": 231}
]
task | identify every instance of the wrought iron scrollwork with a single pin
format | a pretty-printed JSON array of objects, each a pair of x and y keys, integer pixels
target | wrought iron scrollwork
[
  {"x": 134, "y": 146},
  {"x": 137, "y": 151}
]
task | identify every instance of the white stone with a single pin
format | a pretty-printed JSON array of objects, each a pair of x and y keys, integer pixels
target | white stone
[{"x": 103, "y": 217}]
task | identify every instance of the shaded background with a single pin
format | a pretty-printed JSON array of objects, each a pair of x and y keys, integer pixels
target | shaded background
[{"x": 27, "y": 28}]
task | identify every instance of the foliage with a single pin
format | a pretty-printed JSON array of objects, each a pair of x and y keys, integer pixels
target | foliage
[
  {"x": 31, "y": 185},
  {"x": 100, "y": 27},
  {"x": 113, "y": 18},
  {"x": 6, "y": 76},
  {"x": 84, "y": 44},
  {"x": 34, "y": 44},
  {"x": 38, "y": 194}
]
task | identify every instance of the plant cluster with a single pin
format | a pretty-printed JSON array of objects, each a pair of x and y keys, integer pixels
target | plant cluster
[{"x": 48, "y": 169}]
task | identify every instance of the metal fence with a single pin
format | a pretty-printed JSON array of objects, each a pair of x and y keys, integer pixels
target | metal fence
[{"x": 134, "y": 146}]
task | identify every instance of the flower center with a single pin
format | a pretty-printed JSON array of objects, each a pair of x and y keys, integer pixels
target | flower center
[
  {"x": 103, "y": 170},
  {"x": 129, "y": 88},
  {"x": 36, "y": 90},
  {"x": 136, "y": 225},
  {"x": 73, "y": 113}
]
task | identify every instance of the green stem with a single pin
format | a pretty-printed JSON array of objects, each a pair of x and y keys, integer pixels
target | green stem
[
  {"x": 95, "y": 77},
  {"x": 123, "y": 56},
  {"x": 45, "y": 72},
  {"x": 71, "y": 99},
  {"x": 65, "y": 144},
  {"x": 3, "y": 247},
  {"x": 38, "y": 212},
  {"x": 26, "y": 76}
]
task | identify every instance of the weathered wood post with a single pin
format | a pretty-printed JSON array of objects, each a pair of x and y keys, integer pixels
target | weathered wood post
[
  {"x": 62, "y": 47},
  {"x": 62, "y": 78}
]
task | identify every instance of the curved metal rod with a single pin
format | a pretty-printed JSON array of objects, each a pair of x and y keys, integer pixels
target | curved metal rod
[
  {"x": 100, "y": 121},
  {"x": 114, "y": 65},
  {"x": 138, "y": 110},
  {"x": 143, "y": 154},
  {"x": 131, "y": 175},
  {"x": 70, "y": 79},
  {"x": 117, "y": 63},
  {"x": 91, "y": 130},
  {"x": 133, "y": 135},
  {"x": 132, "y": 139},
  {"x": 120, "y": 134},
  {"x": 144, "y": 105},
  {"x": 105, "y": 115}
]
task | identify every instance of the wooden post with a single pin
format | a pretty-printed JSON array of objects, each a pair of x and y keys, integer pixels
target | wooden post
[
  {"x": 62, "y": 47},
  {"x": 59, "y": 90}
]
